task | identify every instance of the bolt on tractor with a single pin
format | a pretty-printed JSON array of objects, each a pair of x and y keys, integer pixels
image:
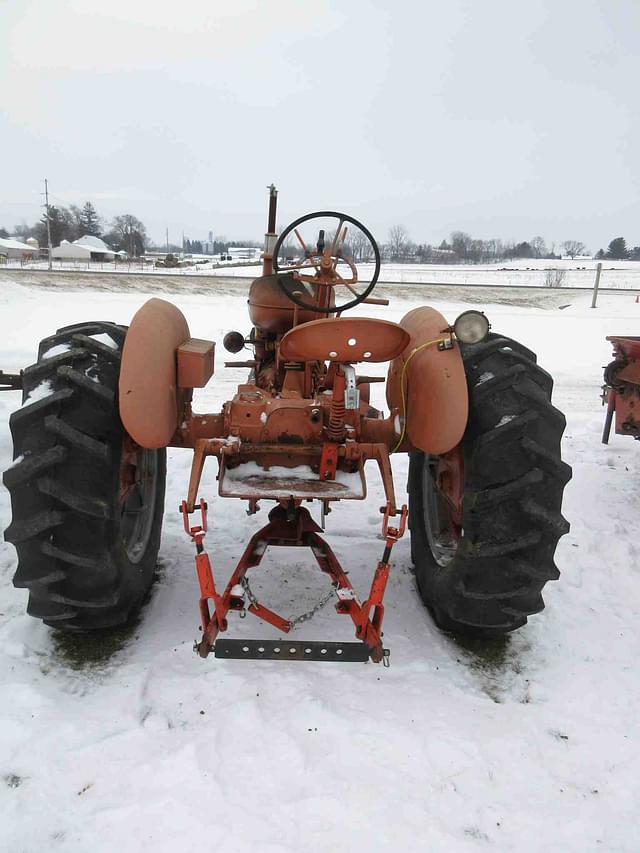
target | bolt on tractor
[
  {"x": 621, "y": 389},
  {"x": 471, "y": 408}
]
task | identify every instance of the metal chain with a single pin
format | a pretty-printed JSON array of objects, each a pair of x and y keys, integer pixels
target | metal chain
[
  {"x": 245, "y": 585},
  {"x": 304, "y": 617}
]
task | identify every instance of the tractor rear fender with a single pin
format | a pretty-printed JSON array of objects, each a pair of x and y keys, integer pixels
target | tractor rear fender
[
  {"x": 436, "y": 397},
  {"x": 148, "y": 386}
]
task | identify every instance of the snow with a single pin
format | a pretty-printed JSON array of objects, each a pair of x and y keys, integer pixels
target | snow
[
  {"x": 485, "y": 377},
  {"x": 105, "y": 339},
  {"x": 521, "y": 273},
  {"x": 56, "y": 350},
  {"x": 15, "y": 244},
  {"x": 236, "y": 480},
  {"x": 504, "y": 419},
  {"x": 251, "y": 469},
  {"x": 579, "y": 273},
  {"x": 41, "y": 391},
  {"x": 132, "y": 743}
]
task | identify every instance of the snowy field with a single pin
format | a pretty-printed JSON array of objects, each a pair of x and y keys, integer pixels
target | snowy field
[
  {"x": 565, "y": 273},
  {"x": 531, "y": 744}
]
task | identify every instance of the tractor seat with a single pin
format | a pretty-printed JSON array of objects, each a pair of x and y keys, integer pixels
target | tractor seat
[{"x": 344, "y": 340}]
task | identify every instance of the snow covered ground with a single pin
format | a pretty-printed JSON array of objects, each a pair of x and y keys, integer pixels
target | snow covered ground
[
  {"x": 565, "y": 273},
  {"x": 135, "y": 744}
]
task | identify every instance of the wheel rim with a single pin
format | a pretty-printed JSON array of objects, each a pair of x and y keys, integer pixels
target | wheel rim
[
  {"x": 442, "y": 490},
  {"x": 138, "y": 491}
]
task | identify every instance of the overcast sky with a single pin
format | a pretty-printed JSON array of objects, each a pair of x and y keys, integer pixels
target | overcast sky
[{"x": 504, "y": 119}]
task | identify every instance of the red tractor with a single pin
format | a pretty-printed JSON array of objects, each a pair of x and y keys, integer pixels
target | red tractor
[
  {"x": 471, "y": 407},
  {"x": 621, "y": 389}
]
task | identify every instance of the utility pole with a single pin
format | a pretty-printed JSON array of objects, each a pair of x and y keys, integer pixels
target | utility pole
[
  {"x": 167, "y": 241},
  {"x": 46, "y": 204}
]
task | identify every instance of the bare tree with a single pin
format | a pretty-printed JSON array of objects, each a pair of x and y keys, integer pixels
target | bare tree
[
  {"x": 461, "y": 244},
  {"x": 398, "y": 236},
  {"x": 573, "y": 248},
  {"x": 128, "y": 233},
  {"x": 554, "y": 278},
  {"x": 538, "y": 246},
  {"x": 357, "y": 244}
]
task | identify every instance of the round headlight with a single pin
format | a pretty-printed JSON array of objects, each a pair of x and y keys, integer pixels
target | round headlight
[{"x": 471, "y": 327}]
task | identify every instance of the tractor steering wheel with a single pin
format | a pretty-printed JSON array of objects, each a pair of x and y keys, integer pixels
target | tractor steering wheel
[{"x": 309, "y": 277}]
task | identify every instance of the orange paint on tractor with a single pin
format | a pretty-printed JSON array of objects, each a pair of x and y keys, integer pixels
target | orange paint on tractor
[
  {"x": 435, "y": 405},
  {"x": 148, "y": 387},
  {"x": 303, "y": 408},
  {"x": 622, "y": 388}
]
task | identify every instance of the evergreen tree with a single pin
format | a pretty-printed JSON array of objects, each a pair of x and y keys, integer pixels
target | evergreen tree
[
  {"x": 618, "y": 249},
  {"x": 523, "y": 250},
  {"x": 61, "y": 224},
  {"x": 89, "y": 221}
]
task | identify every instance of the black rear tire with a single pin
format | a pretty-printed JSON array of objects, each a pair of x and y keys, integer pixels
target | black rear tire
[
  {"x": 86, "y": 502},
  {"x": 488, "y": 579}
]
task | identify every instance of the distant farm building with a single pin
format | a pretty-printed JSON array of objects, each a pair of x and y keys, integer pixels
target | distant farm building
[
  {"x": 84, "y": 249},
  {"x": 247, "y": 253},
  {"x": 16, "y": 249}
]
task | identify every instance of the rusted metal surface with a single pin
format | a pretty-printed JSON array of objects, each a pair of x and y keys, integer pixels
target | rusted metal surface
[
  {"x": 297, "y": 483},
  {"x": 621, "y": 391},
  {"x": 301, "y": 426},
  {"x": 148, "y": 386},
  {"x": 270, "y": 309},
  {"x": 357, "y": 339},
  {"x": 292, "y": 529},
  {"x": 434, "y": 383},
  {"x": 195, "y": 363}
]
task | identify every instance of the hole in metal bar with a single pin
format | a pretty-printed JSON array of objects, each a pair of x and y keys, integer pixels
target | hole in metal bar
[
  {"x": 276, "y": 650},
  {"x": 323, "y": 651},
  {"x": 338, "y": 651},
  {"x": 260, "y": 649}
]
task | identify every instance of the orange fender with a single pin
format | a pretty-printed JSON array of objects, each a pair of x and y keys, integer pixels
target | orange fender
[
  {"x": 436, "y": 398},
  {"x": 148, "y": 373}
]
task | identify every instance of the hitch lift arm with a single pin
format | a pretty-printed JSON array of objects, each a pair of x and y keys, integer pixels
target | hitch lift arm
[{"x": 10, "y": 381}]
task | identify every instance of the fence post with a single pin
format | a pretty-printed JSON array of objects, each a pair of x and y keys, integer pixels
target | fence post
[{"x": 596, "y": 285}]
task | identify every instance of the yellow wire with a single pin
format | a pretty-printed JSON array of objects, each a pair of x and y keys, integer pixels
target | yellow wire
[{"x": 402, "y": 391}]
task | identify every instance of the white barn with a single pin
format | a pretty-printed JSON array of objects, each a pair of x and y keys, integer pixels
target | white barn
[
  {"x": 85, "y": 248},
  {"x": 16, "y": 249}
]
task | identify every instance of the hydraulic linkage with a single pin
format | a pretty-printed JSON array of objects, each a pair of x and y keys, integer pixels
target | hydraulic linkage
[
  {"x": 291, "y": 527},
  {"x": 10, "y": 381}
]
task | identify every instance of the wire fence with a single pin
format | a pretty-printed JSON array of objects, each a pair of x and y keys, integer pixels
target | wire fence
[
  {"x": 625, "y": 276},
  {"x": 133, "y": 266}
]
